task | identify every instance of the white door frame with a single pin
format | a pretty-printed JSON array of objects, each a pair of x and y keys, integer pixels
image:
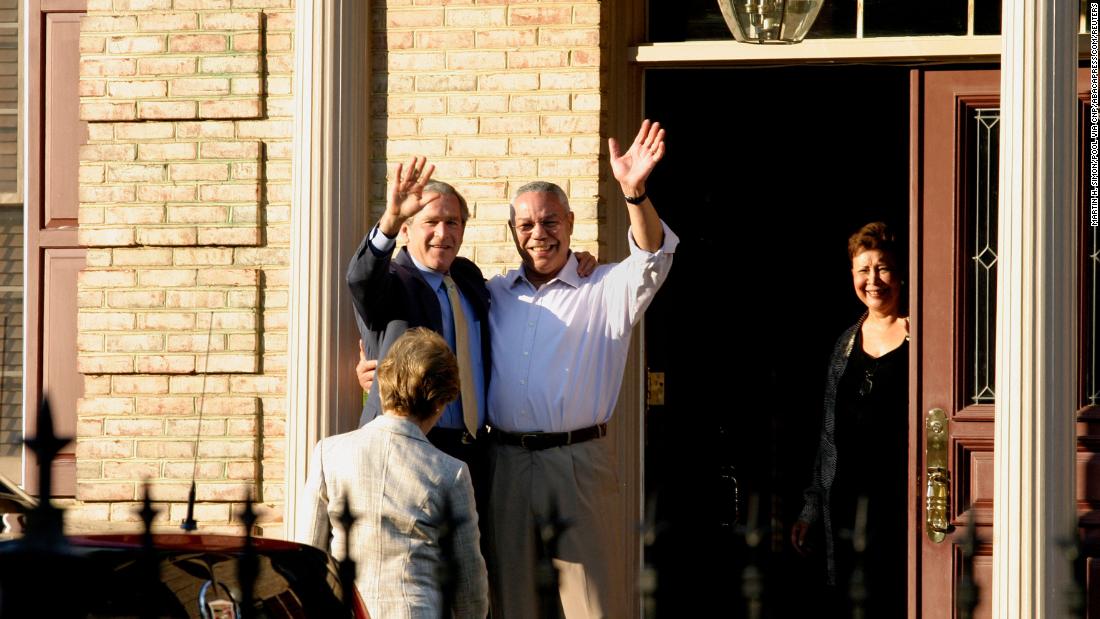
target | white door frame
[{"x": 328, "y": 219}]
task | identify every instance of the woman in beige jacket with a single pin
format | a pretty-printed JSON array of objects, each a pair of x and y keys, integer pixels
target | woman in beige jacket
[{"x": 404, "y": 493}]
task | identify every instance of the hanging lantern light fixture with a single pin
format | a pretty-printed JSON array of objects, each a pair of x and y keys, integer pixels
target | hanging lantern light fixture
[{"x": 770, "y": 21}]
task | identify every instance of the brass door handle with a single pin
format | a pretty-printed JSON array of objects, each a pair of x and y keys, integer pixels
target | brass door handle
[
  {"x": 936, "y": 523},
  {"x": 937, "y": 477}
]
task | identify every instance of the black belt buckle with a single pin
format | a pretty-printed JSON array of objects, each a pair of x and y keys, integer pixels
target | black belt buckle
[{"x": 523, "y": 441}]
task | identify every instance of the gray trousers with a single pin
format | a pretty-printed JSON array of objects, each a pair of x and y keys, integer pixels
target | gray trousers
[{"x": 582, "y": 482}]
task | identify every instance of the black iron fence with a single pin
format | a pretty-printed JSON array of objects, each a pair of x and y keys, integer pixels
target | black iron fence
[{"x": 43, "y": 574}]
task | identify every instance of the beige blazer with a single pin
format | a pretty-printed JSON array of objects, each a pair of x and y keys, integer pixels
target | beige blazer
[{"x": 400, "y": 487}]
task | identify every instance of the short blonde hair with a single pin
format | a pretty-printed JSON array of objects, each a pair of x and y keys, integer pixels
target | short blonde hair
[{"x": 419, "y": 375}]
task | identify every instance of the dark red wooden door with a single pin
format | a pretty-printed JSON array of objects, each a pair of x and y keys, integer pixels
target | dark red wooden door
[{"x": 955, "y": 237}]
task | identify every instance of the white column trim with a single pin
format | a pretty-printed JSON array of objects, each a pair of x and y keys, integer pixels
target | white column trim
[
  {"x": 331, "y": 148},
  {"x": 1035, "y": 442}
]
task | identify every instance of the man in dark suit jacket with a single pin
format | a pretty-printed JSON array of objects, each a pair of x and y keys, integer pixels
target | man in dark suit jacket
[{"x": 395, "y": 293}]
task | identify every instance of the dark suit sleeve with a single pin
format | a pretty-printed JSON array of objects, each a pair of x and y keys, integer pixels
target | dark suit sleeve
[{"x": 368, "y": 276}]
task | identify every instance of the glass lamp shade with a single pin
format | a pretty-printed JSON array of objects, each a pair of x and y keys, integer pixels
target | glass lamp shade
[{"x": 770, "y": 21}]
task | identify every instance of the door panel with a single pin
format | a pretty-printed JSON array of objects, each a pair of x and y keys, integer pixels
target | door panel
[
  {"x": 60, "y": 378},
  {"x": 64, "y": 131},
  {"x": 983, "y": 576}
]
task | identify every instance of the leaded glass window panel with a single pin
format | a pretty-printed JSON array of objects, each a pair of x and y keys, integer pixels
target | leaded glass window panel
[{"x": 981, "y": 250}]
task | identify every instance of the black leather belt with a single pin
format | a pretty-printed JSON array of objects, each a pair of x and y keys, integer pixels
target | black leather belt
[
  {"x": 454, "y": 435},
  {"x": 535, "y": 441}
]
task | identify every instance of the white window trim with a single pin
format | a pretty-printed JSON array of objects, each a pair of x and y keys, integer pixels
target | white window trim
[{"x": 883, "y": 49}]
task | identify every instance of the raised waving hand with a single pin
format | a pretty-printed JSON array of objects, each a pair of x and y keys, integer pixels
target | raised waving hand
[
  {"x": 632, "y": 168},
  {"x": 406, "y": 194}
]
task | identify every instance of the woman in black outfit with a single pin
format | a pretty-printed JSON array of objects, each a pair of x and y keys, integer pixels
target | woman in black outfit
[{"x": 864, "y": 435}]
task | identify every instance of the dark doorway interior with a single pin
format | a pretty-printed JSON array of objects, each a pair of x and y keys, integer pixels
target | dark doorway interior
[{"x": 768, "y": 172}]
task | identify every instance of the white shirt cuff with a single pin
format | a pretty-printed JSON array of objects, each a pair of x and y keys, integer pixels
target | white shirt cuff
[
  {"x": 667, "y": 247},
  {"x": 381, "y": 243}
]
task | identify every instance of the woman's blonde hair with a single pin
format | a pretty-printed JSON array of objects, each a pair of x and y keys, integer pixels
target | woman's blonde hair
[{"x": 419, "y": 375}]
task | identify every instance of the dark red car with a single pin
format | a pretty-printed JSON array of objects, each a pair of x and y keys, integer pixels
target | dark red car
[
  {"x": 110, "y": 576},
  {"x": 155, "y": 575}
]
